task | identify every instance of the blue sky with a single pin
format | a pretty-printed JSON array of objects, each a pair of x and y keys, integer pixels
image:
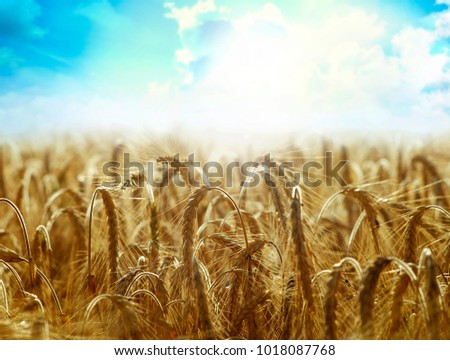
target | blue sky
[{"x": 224, "y": 65}]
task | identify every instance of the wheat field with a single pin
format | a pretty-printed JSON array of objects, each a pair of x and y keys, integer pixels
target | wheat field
[{"x": 369, "y": 259}]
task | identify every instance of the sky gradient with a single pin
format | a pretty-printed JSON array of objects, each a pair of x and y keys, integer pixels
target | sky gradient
[{"x": 224, "y": 65}]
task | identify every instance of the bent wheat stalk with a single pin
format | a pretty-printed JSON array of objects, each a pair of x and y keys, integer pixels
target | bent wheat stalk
[
  {"x": 366, "y": 201},
  {"x": 113, "y": 237},
  {"x": 188, "y": 225},
  {"x": 330, "y": 296},
  {"x": 31, "y": 265},
  {"x": 367, "y": 295},
  {"x": 411, "y": 231}
]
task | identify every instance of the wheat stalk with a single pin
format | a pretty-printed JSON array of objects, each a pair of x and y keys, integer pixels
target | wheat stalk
[
  {"x": 113, "y": 237},
  {"x": 287, "y": 310},
  {"x": 330, "y": 303},
  {"x": 204, "y": 320},
  {"x": 4, "y": 297},
  {"x": 367, "y": 295},
  {"x": 436, "y": 179},
  {"x": 31, "y": 265},
  {"x": 433, "y": 294},
  {"x": 298, "y": 238}
]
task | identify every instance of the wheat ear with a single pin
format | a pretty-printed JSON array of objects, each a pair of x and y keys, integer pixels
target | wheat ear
[{"x": 298, "y": 238}]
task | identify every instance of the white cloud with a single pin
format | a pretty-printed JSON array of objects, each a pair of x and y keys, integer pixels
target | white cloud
[
  {"x": 187, "y": 17},
  {"x": 184, "y": 56},
  {"x": 443, "y": 25},
  {"x": 268, "y": 13},
  {"x": 341, "y": 73},
  {"x": 156, "y": 89}
]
